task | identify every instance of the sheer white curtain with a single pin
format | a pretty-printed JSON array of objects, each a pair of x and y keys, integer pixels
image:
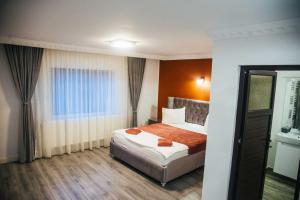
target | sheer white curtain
[{"x": 79, "y": 100}]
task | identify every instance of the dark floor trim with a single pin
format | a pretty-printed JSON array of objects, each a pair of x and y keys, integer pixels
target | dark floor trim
[{"x": 288, "y": 179}]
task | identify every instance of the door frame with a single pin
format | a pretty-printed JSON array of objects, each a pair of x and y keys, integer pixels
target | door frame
[{"x": 240, "y": 116}]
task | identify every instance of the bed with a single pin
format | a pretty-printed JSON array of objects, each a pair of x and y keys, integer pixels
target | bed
[{"x": 164, "y": 164}]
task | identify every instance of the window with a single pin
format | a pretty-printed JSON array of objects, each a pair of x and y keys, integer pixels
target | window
[
  {"x": 260, "y": 92},
  {"x": 81, "y": 92}
]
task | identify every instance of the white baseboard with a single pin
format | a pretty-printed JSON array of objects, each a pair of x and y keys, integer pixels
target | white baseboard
[{"x": 8, "y": 159}]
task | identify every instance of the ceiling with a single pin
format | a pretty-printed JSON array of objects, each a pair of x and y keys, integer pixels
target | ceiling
[{"x": 162, "y": 28}]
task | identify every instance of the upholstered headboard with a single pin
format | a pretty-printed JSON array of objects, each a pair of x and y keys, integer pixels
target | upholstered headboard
[{"x": 195, "y": 111}]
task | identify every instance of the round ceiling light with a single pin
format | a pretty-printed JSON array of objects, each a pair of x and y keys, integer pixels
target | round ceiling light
[{"x": 122, "y": 44}]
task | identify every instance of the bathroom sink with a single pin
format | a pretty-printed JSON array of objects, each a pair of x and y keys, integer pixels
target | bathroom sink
[{"x": 290, "y": 138}]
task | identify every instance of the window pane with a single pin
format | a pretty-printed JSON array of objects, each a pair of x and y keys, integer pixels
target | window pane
[
  {"x": 260, "y": 92},
  {"x": 81, "y": 92}
]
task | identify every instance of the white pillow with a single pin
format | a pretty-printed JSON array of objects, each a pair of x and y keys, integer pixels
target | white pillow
[{"x": 173, "y": 116}]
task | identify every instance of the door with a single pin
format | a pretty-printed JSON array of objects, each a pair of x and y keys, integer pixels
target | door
[{"x": 254, "y": 139}]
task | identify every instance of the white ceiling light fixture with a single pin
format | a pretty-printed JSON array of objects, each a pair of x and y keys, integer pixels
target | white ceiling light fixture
[{"x": 122, "y": 44}]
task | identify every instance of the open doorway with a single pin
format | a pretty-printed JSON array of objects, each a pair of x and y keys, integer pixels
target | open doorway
[
  {"x": 284, "y": 151},
  {"x": 257, "y": 172}
]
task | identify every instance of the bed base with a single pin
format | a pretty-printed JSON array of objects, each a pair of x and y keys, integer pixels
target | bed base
[{"x": 163, "y": 174}]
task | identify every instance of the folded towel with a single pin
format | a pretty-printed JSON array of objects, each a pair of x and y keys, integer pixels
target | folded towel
[
  {"x": 162, "y": 142},
  {"x": 133, "y": 131}
]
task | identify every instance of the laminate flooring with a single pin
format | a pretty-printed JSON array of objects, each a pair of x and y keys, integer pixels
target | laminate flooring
[
  {"x": 90, "y": 175},
  {"x": 278, "y": 188}
]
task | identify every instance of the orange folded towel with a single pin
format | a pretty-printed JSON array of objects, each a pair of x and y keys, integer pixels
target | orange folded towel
[
  {"x": 133, "y": 131},
  {"x": 162, "y": 142}
]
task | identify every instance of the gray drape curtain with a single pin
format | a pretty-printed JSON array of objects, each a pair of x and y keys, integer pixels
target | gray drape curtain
[
  {"x": 25, "y": 63},
  {"x": 136, "y": 68}
]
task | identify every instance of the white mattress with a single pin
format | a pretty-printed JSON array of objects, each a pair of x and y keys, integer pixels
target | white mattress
[{"x": 146, "y": 144}]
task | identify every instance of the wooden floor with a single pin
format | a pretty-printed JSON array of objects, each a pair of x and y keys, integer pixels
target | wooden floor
[
  {"x": 90, "y": 175},
  {"x": 278, "y": 187}
]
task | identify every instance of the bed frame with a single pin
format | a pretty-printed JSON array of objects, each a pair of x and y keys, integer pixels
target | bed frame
[{"x": 196, "y": 112}]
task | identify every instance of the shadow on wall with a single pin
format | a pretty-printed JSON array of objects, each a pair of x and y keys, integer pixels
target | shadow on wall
[
  {"x": 153, "y": 114},
  {"x": 9, "y": 112}
]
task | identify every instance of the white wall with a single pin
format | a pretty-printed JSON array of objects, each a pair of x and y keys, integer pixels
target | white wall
[
  {"x": 147, "y": 107},
  {"x": 228, "y": 55},
  {"x": 9, "y": 113},
  {"x": 10, "y": 107},
  {"x": 282, "y": 78}
]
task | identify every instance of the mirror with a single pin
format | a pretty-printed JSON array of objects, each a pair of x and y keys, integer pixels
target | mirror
[{"x": 291, "y": 114}]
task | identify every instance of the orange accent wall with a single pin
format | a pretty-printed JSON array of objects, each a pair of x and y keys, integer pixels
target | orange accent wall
[{"x": 177, "y": 78}]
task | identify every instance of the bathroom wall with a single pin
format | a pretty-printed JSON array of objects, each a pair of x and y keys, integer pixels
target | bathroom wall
[{"x": 282, "y": 77}]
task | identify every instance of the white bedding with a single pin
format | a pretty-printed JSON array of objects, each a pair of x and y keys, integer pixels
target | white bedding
[{"x": 146, "y": 144}]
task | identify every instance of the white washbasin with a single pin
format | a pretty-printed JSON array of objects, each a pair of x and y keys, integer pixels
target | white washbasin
[{"x": 290, "y": 138}]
